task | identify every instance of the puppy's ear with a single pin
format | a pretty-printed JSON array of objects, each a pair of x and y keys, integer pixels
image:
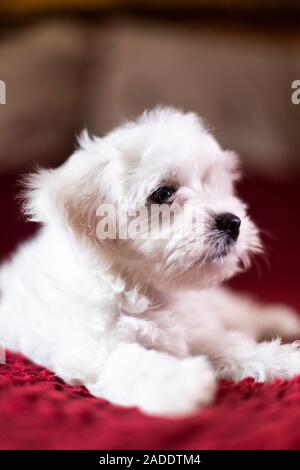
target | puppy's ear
[
  {"x": 70, "y": 194},
  {"x": 233, "y": 164}
]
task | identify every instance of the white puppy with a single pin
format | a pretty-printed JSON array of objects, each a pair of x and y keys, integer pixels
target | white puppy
[{"x": 141, "y": 321}]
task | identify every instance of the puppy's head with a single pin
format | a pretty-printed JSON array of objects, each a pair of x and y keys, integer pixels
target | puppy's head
[{"x": 164, "y": 161}]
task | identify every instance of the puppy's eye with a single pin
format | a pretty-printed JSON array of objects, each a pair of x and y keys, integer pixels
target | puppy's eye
[{"x": 162, "y": 195}]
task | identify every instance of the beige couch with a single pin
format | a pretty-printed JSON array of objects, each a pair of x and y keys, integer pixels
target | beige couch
[{"x": 65, "y": 73}]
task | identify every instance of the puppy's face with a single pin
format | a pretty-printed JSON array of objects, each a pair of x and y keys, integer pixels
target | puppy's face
[
  {"x": 168, "y": 160},
  {"x": 164, "y": 160}
]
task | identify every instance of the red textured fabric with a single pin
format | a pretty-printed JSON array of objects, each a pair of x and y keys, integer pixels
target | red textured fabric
[{"x": 38, "y": 411}]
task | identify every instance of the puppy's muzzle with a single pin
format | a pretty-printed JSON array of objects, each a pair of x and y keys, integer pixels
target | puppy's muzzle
[{"x": 229, "y": 224}]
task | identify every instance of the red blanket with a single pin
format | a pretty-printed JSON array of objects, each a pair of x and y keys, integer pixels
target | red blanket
[{"x": 38, "y": 411}]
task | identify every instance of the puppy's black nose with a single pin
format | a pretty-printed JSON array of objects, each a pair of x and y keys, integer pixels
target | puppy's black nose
[{"x": 229, "y": 223}]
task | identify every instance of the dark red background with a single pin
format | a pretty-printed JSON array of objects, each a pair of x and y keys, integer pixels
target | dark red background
[{"x": 38, "y": 411}]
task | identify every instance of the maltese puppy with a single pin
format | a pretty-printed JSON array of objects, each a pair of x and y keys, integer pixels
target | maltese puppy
[{"x": 113, "y": 295}]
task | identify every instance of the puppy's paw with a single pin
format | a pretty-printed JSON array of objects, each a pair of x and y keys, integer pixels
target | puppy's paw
[
  {"x": 280, "y": 320},
  {"x": 268, "y": 361},
  {"x": 180, "y": 387}
]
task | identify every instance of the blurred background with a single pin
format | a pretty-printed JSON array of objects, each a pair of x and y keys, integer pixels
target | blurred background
[{"x": 69, "y": 64}]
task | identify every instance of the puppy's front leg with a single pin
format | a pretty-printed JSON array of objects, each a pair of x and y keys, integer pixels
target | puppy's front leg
[
  {"x": 236, "y": 356},
  {"x": 154, "y": 381}
]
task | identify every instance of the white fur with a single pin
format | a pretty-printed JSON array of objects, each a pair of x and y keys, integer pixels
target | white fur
[{"x": 140, "y": 322}]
